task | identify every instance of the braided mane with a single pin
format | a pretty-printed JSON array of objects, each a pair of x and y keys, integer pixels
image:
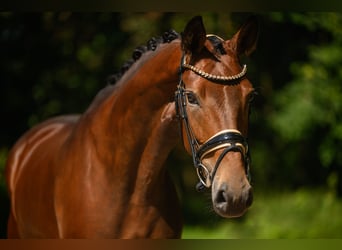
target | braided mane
[
  {"x": 167, "y": 37},
  {"x": 151, "y": 45}
]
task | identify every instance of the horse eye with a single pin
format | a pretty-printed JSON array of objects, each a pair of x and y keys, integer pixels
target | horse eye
[
  {"x": 192, "y": 99},
  {"x": 252, "y": 96}
]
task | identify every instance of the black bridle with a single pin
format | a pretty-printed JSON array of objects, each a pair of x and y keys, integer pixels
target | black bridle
[{"x": 228, "y": 140}]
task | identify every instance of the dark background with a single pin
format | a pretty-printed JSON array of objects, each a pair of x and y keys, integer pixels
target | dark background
[{"x": 55, "y": 63}]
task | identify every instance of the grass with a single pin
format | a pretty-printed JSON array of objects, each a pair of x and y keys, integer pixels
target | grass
[{"x": 291, "y": 215}]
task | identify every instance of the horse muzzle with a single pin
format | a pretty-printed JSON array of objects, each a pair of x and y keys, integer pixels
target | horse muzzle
[{"x": 230, "y": 201}]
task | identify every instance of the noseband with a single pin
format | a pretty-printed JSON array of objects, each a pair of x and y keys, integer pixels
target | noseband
[{"x": 228, "y": 140}]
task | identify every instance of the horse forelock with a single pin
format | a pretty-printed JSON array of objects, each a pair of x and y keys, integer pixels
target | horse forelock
[
  {"x": 217, "y": 43},
  {"x": 151, "y": 45}
]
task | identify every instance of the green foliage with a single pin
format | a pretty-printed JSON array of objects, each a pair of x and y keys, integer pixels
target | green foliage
[
  {"x": 310, "y": 105},
  {"x": 298, "y": 215}
]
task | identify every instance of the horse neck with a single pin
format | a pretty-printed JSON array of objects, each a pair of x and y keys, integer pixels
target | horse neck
[{"x": 134, "y": 128}]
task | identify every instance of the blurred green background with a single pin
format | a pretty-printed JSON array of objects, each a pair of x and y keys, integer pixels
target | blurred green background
[{"x": 55, "y": 63}]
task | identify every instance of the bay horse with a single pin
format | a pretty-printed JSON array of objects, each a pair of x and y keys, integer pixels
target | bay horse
[{"x": 102, "y": 174}]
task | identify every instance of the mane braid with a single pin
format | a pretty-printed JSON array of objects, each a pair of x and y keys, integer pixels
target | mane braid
[{"x": 151, "y": 45}]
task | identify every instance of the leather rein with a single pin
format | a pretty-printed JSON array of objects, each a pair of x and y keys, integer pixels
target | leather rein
[{"x": 228, "y": 140}]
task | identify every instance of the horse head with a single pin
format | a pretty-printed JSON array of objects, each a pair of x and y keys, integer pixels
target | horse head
[{"x": 213, "y": 102}]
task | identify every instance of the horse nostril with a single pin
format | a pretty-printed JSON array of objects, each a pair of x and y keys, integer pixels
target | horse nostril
[
  {"x": 232, "y": 202},
  {"x": 222, "y": 195}
]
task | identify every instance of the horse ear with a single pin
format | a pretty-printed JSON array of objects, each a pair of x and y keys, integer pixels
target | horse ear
[
  {"x": 245, "y": 40},
  {"x": 193, "y": 36}
]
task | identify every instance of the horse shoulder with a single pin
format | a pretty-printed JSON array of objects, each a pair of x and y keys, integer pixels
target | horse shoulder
[{"x": 32, "y": 140}]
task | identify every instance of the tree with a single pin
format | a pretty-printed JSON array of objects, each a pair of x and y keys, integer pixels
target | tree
[{"x": 308, "y": 109}]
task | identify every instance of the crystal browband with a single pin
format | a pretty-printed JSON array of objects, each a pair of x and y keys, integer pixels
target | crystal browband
[{"x": 216, "y": 77}]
